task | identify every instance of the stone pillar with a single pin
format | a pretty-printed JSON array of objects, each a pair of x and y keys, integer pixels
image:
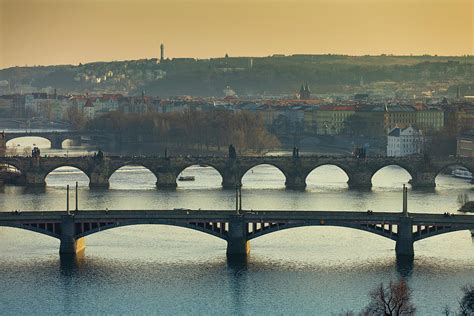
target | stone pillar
[
  {"x": 238, "y": 246},
  {"x": 295, "y": 177},
  {"x": 99, "y": 180},
  {"x": 165, "y": 179},
  {"x": 423, "y": 180},
  {"x": 70, "y": 245},
  {"x": 35, "y": 179},
  {"x": 360, "y": 180},
  {"x": 295, "y": 182},
  {"x": 230, "y": 180},
  {"x": 404, "y": 246},
  {"x": 231, "y": 175},
  {"x": 56, "y": 143},
  {"x": 34, "y": 176}
]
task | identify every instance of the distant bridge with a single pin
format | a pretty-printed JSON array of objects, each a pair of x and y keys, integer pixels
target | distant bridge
[
  {"x": 295, "y": 169},
  {"x": 236, "y": 229},
  {"x": 57, "y": 138}
]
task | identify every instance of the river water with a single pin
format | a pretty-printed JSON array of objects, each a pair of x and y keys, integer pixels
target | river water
[{"x": 155, "y": 269}]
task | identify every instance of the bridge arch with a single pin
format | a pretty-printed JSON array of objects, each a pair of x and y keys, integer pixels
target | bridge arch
[
  {"x": 281, "y": 176},
  {"x": 13, "y": 143},
  {"x": 454, "y": 164},
  {"x": 428, "y": 232},
  {"x": 210, "y": 170},
  {"x": 384, "y": 231},
  {"x": 200, "y": 227},
  {"x": 340, "y": 171},
  {"x": 44, "y": 229},
  {"x": 404, "y": 169},
  {"x": 62, "y": 168},
  {"x": 64, "y": 141},
  {"x": 10, "y": 163},
  {"x": 147, "y": 175}
]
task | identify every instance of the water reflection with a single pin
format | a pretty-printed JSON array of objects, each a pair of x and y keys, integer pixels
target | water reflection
[
  {"x": 263, "y": 177},
  {"x": 151, "y": 269},
  {"x": 405, "y": 265},
  {"x": 70, "y": 264}
]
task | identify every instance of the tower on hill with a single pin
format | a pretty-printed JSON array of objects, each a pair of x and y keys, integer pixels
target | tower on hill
[{"x": 162, "y": 52}]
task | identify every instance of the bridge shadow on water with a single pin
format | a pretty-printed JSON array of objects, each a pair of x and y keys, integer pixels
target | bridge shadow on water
[
  {"x": 237, "y": 265},
  {"x": 424, "y": 190},
  {"x": 35, "y": 190},
  {"x": 71, "y": 264},
  {"x": 404, "y": 266}
]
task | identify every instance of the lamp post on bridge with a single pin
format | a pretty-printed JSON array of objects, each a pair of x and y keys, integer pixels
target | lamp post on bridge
[
  {"x": 77, "y": 198},
  {"x": 67, "y": 200},
  {"x": 238, "y": 198},
  {"x": 405, "y": 201}
]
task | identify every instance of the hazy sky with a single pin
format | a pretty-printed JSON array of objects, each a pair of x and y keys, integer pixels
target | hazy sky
[{"x": 42, "y": 32}]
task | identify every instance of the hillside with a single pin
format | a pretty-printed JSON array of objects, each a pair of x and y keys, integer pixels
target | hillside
[{"x": 277, "y": 75}]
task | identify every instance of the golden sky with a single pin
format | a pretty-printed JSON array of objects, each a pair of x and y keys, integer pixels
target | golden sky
[{"x": 43, "y": 32}]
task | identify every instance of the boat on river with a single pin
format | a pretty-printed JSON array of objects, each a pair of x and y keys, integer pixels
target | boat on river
[
  {"x": 186, "y": 178},
  {"x": 462, "y": 174}
]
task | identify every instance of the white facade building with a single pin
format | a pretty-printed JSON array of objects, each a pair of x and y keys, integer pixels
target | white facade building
[{"x": 404, "y": 141}]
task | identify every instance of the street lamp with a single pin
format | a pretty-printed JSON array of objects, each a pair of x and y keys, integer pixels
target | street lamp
[{"x": 238, "y": 198}]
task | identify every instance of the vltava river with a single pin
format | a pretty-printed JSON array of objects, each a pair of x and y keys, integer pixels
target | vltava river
[{"x": 154, "y": 269}]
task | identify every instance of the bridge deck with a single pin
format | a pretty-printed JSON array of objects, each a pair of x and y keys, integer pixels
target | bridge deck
[{"x": 247, "y": 216}]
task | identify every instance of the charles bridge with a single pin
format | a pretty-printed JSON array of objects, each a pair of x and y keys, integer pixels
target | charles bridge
[{"x": 360, "y": 171}]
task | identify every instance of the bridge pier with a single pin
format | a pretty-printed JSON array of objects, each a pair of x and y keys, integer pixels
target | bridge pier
[
  {"x": 229, "y": 181},
  {"x": 99, "y": 180},
  {"x": 231, "y": 175},
  {"x": 70, "y": 245},
  {"x": 404, "y": 245},
  {"x": 295, "y": 175},
  {"x": 238, "y": 247},
  {"x": 166, "y": 180},
  {"x": 56, "y": 143},
  {"x": 360, "y": 180},
  {"x": 295, "y": 182},
  {"x": 423, "y": 180},
  {"x": 35, "y": 179}
]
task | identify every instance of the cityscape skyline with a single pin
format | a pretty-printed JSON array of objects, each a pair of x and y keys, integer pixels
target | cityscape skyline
[{"x": 35, "y": 32}]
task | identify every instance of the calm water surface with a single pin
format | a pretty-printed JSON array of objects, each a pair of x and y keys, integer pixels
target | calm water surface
[{"x": 151, "y": 269}]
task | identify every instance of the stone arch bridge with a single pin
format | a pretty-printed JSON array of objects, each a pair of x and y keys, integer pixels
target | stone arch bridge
[
  {"x": 166, "y": 169},
  {"x": 57, "y": 138},
  {"x": 236, "y": 229}
]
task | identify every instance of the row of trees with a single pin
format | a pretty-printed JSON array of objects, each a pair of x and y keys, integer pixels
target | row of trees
[
  {"x": 395, "y": 299},
  {"x": 212, "y": 130}
]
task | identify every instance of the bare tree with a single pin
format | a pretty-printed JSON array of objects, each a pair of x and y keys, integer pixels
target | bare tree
[
  {"x": 27, "y": 151},
  {"x": 11, "y": 151},
  {"x": 395, "y": 299},
  {"x": 446, "y": 310},
  {"x": 466, "y": 305}
]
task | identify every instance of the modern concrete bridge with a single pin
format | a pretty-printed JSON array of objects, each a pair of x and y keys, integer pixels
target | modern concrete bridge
[
  {"x": 236, "y": 229},
  {"x": 423, "y": 171}
]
